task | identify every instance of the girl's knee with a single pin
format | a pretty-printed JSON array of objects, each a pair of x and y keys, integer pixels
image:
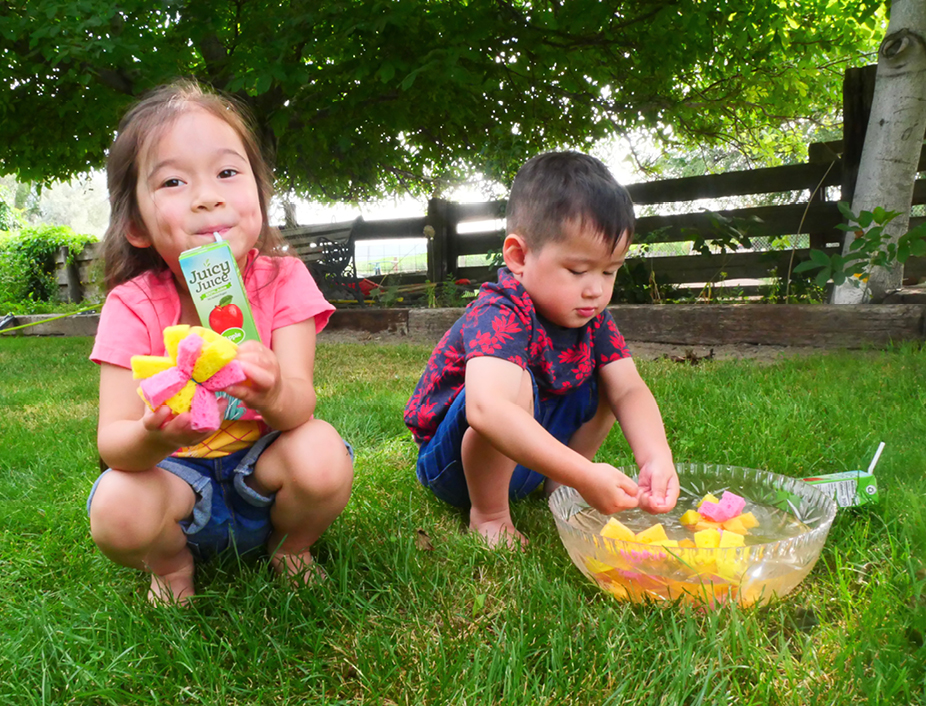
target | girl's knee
[
  {"x": 125, "y": 513},
  {"x": 312, "y": 459},
  {"x": 119, "y": 522}
]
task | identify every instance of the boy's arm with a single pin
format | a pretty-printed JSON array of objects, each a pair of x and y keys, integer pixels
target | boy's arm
[
  {"x": 492, "y": 389},
  {"x": 636, "y": 411}
]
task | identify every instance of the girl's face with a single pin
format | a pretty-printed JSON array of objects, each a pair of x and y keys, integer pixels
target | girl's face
[{"x": 194, "y": 181}]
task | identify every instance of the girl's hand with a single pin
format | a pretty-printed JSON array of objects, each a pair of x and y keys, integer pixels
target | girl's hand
[
  {"x": 175, "y": 430},
  {"x": 261, "y": 391}
]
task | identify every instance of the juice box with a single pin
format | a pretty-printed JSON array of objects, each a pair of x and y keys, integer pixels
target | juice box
[
  {"x": 217, "y": 289},
  {"x": 849, "y": 488}
]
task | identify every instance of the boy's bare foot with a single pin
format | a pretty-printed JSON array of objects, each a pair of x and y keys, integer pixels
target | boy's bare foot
[
  {"x": 175, "y": 588},
  {"x": 300, "y": 568},
  {"x": 499, "y": 533}
]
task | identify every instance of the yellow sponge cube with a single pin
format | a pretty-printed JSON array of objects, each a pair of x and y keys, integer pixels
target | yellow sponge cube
[
  {"x": 617, "y": 530},
  {"x": 731, "y": 539},
  {"x": 709, "y": 498},
  {"x": 172, "y": 337},
  {"x": 144, "y": 366},
  {"x": 653, "y": 534},
  {"x": 183, "y": 400},
  {"x": 597, "y": 567},
  {"x": 665, "y": 543},
  {"x": 215, "y": 355},
  {"x": 734, "y": 524},
  {"x": 707, "y": 539},
  {"x": 207, "y": 334},
  {"x": 706, "y": 524},
  {"x": 748, "y": 520},
  {"x": 690, "y": 517}
]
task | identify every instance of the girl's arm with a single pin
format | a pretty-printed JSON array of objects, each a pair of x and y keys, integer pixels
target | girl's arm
[
  {"x": 280, "y": 378},
  {"x": 130, "y": 436}
]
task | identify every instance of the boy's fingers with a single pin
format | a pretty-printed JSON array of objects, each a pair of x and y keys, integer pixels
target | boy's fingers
[
  {"x": 672, "y": 490},
  {"x": 627, "y": 485},
  {"x": 658, "y": 487}
]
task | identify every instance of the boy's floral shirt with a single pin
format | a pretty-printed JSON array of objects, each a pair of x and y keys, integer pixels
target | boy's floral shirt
[{"x": 502, "y": 323}]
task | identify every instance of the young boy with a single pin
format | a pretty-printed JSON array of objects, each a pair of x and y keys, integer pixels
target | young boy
[{"x": 529, "y": 381}]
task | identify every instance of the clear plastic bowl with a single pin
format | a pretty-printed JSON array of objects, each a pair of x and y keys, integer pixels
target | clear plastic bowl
[{"x": 751, "y": 574}]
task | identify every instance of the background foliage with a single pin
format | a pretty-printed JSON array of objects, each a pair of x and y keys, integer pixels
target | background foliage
[
  {"x": 361, "y": 98},
  {"x": 27, "y": 267}
]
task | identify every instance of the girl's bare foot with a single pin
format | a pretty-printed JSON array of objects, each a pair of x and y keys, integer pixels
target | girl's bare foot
[
  {"x": 175, "y": 588},
  {"x": 300, "y": 568}
]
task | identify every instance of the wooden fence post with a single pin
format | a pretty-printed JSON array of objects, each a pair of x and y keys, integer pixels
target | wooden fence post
[
  {"x": 858, "y": 90},
  {"x": 821, "y": 153},
  {"x": 438, "y": 219},
  {"x": 72, "y": 273}
]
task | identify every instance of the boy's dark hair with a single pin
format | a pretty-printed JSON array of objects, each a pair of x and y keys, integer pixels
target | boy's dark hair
[{"x": 558, "y": 188}]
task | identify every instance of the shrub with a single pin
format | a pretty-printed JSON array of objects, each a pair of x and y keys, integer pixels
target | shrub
[{"x": 28, "y": 282}]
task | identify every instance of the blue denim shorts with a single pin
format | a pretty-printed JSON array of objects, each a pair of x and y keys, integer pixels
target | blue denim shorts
[
  {"x": 440, "y": 464},
  {"x": 228, "y": 513}
]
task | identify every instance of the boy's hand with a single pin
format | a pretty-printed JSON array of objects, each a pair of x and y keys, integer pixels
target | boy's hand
[
  {"x": 608, "y": 490},
  {"x": 658, "y": 487}
]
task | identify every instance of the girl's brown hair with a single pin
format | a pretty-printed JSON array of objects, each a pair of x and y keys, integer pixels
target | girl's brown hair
[{"x": 141, "y": 126}]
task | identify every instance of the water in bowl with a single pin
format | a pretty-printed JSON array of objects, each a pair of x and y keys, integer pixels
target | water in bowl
[
  {"x": 635, "y": 572},
  {"x": 774, "y": 524}
]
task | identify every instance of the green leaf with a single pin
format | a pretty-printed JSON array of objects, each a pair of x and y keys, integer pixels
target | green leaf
[
  {"x": 386, "y": 72},
  {"x": 846, "y": 212},
  {"x": 820, "y": 258},
  {"x": 479, "y": 604},
  {"x": 805, "y": 266},
  {"x": 823, "y": 276}
]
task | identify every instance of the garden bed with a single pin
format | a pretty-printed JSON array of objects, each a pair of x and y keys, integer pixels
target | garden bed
[{"x": 778, "y": 325}]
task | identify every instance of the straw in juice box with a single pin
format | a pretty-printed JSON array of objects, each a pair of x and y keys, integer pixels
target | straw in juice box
[{"x": 215, "y": 284}]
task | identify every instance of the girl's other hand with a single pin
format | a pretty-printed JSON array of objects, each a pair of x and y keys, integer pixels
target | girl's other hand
[
  {"x": 176, "y": 430},
  {"x": 264, "y": 383}
]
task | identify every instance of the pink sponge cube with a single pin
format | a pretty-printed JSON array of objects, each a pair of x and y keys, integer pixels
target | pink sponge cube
[{"x": 730, "y": 506}]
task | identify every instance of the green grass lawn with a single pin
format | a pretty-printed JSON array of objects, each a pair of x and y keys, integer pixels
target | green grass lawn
[{"x": 401, "y": 624}]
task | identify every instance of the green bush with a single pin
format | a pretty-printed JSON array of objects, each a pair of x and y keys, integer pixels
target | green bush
[{"x": 28, "y": 284}]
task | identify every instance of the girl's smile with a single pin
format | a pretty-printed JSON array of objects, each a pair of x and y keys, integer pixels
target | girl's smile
[{"x": 195, "y": 181}]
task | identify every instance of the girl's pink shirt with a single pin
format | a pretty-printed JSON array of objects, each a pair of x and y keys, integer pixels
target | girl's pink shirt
[{"x": 136, "y": 313}]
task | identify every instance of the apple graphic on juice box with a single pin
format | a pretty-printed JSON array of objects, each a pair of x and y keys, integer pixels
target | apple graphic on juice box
[{"x": 225, "y": 316}]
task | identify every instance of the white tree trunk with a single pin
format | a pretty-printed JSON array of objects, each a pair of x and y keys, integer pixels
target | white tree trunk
[{"x": 893, "y": 140}]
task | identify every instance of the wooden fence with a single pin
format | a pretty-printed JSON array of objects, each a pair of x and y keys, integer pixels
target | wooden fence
[
  {"x": 830, "y": 165},
  {"x": 813, "y": 215}
]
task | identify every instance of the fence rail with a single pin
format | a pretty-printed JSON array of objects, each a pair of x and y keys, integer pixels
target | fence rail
[{"x": 812, "y": 220}]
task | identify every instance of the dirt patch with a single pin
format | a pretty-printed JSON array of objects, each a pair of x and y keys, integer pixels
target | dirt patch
[{"x": 640, "y": 349}]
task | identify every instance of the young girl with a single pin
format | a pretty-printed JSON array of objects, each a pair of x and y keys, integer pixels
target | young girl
[{"x": 184, "y": 166}]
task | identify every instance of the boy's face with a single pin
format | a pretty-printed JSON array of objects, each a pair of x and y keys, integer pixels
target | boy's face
[{"x": 570, "y": 281}]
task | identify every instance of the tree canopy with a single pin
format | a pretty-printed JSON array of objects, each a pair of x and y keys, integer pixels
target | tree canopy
[{"x": 356, "y": 98}]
